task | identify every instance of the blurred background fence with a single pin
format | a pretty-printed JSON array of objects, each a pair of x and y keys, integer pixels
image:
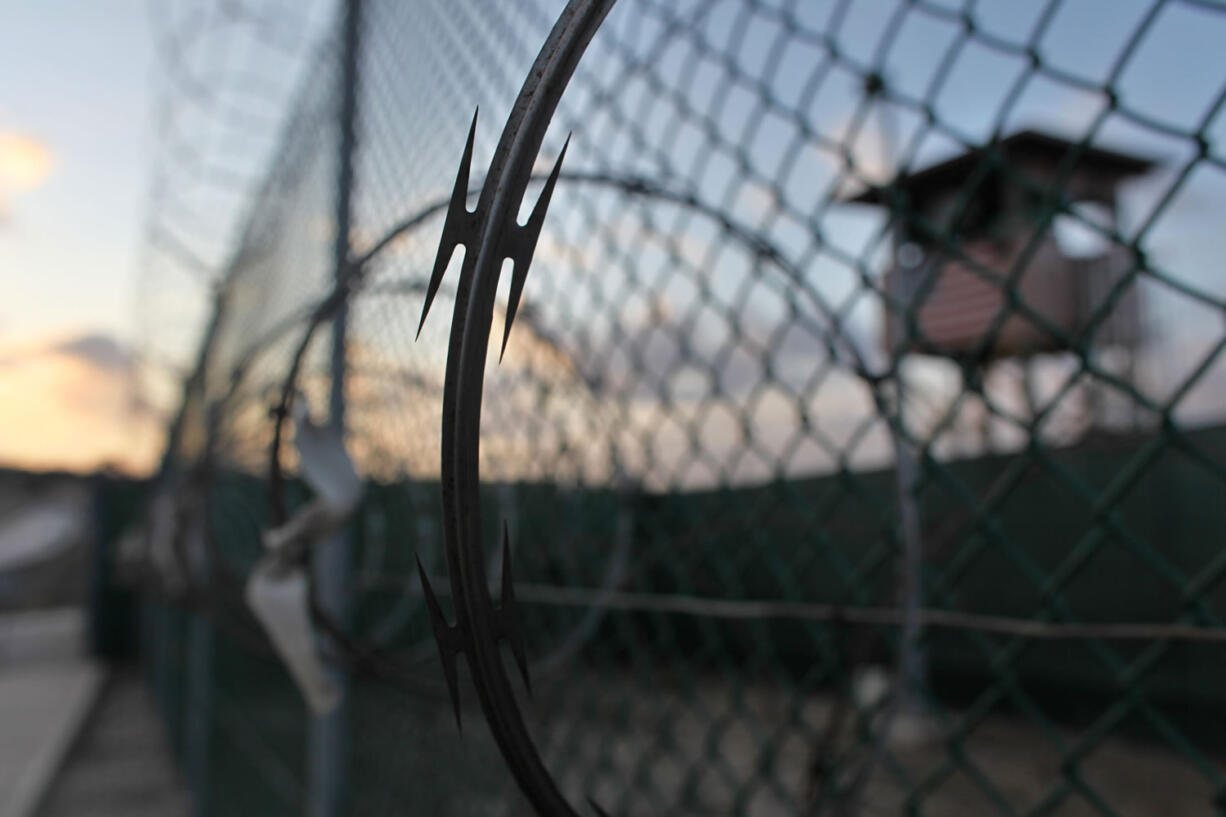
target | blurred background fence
[{"x": 859, "y": 439}]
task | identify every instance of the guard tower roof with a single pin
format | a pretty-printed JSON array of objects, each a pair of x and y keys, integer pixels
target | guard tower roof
[{"x": 1026, "y": 146}]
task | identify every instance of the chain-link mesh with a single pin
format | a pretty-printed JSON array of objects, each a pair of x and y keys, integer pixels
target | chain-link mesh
[{"x": 858, "y": 439}]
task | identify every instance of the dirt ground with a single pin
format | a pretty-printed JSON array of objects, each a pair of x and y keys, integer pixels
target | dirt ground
[{"x": 749, "y": 751}]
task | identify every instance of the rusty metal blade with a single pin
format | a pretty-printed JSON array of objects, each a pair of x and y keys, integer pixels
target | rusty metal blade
[
  {"x": 459, "y": 227},
  {"x": 447, "y": 638},
  {"x": 524, "y": 245}
]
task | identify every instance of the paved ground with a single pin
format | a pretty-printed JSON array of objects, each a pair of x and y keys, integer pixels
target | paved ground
[
  {"x": 41, "y": 708},
  {"x": 47, "y": 690},
  {"x": 120, "y": 766},
  {"x": 75, "y": 738}
]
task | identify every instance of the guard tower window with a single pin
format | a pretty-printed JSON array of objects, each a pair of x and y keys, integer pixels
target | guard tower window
[{"x": 1076, "y": 234}]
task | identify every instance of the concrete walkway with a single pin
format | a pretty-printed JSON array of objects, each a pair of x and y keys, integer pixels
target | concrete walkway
[
  {"x": 76, "y": 738},
  {"x": 121, "y": 765},
  {"x": 42, "y": 708},
  {"x": 47, "y": 690}
]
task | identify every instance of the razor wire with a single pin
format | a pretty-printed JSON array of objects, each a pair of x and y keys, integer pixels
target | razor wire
[{"x": 780, "y": 545}]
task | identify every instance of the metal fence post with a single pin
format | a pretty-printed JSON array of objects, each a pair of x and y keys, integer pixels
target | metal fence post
[
  {"x": 329, "y": 734},
  {"x": 198, "y": 726}
]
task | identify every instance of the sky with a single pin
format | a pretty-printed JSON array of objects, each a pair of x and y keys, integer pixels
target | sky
[
  {"x": 82, "y": 139},
  {"x": 74, "y": 144},
  {"x": 74, "y": 170},
  {"x": 87, "y": 120},
  {"x": 1173, "y": 75}
]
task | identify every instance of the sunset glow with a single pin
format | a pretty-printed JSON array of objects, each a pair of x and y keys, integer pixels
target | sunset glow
[
  {"x": 25, "y": 162},
  {"x": 62, "y": 410}
]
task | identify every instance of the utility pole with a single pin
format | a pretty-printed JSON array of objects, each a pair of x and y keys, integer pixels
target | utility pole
[
  {"x": 332, "y": 566},
  {"x": 912, "y": 658}
]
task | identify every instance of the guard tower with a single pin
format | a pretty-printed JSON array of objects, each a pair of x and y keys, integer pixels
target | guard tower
[
  {"x": 961, "y": 228},
  {"x": 981, "y": 274}
]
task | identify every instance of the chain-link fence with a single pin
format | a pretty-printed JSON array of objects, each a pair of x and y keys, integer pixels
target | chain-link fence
[{"x": 857, "y": 444}]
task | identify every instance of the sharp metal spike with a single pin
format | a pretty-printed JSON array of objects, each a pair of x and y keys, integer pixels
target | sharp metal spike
[
  {"x": 446, "y": 636},
  {"x": 509, "y": 613},
  {"x": 524, "y": 245},
  {"x": 457, "y": 229}
]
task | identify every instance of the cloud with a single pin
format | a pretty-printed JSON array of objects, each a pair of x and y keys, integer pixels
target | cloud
[
  {"x": 101, "y": 351},
  {"x": 71, "y": 405}
]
